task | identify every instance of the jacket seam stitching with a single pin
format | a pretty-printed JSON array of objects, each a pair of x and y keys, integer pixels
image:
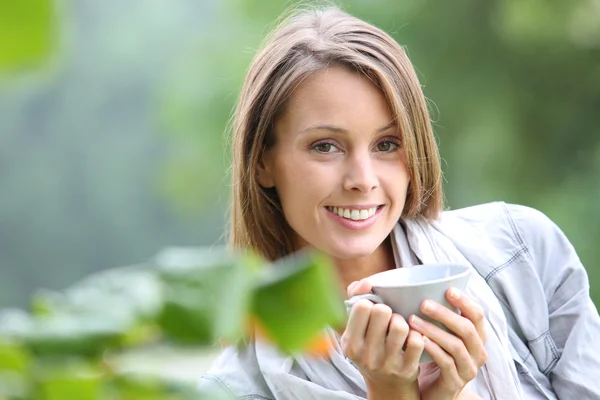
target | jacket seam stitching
[
  {"x": 547, "y": 335},
  {"x": 552, "y": 346},
  {"x": 526, "y": 357},
  {"x": 515, "y": 230},
  {"x": 542, "y": 336},
  {"x": 550, "y": 367},
  {"x": 506, "y": 264}
]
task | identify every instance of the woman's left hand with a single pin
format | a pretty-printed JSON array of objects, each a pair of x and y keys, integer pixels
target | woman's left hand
[{"x": 458, "y": 356}]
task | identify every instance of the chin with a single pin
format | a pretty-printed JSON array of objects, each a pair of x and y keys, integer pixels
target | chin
[{"x": 350, "y": 252}]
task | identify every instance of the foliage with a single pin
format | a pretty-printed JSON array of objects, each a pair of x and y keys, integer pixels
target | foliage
[
  {"x": 69, "y": 345},
  {"x": 26, "y": 29}
]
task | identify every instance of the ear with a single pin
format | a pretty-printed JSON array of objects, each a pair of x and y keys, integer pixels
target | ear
[{"x": 264, "y": 172}]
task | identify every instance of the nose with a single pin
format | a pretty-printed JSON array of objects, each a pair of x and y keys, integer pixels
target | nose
[{"x": 360, "y": 174}]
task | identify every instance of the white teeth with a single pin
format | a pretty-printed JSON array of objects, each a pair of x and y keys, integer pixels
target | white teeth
[{"x": 353, "y": 214}]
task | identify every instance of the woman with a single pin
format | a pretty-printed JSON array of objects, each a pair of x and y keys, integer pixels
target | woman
[{"x": 333, "y": 149}]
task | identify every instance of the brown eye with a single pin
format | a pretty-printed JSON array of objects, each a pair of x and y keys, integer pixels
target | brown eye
[
  {"x": 386, "y": 146},
  {"x": 324, "y": 147}
]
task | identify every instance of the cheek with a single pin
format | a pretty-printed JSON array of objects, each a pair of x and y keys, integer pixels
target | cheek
[
  {"x": 303, "y": 187},
  {"x": 396, "y": 183}
]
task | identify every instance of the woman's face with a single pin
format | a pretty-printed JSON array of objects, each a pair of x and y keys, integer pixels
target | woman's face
[{"x": 337, "y": 164}]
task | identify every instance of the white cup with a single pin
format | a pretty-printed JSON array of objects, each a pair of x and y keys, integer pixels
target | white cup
[{"x": 404, "y": 289}]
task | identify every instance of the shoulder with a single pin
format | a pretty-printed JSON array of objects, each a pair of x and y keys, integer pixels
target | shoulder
[
  {"x": 499, "y": 212},
  {"x": 235, "y": 372},
  {"x": 506, "y": 231},
  {"x": 526, "y": 226}
]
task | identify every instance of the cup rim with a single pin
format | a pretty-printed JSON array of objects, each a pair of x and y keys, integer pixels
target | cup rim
[{"x": 467, "y": 271}]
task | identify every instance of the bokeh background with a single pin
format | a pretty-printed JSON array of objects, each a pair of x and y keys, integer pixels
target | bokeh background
[{"x": 113, "y": 145}]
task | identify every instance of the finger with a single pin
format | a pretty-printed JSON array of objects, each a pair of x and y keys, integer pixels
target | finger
[
  {"x": 359, "y": 287},
  {"x": 396, "y": 336},
  {"x": 414, "y": 348},
  {"x": 469, "y": 309},
  {"x": 462, "y": 360},
  {"x": 460, "y": 326},
  {"x": 353, "y": 338},
  {"x": 448, "y": 371},
  {"x": 379, "y": 322},
  {"x": 350, "y": 288}
]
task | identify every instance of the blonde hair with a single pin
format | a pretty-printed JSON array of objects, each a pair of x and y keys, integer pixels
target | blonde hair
[{"x": 303, "y": 44}]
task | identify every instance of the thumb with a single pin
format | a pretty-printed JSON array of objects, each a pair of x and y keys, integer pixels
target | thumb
[{"x": 359, "y": 287}]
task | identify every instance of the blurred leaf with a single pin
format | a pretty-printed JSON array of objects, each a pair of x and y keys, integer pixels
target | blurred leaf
[
  {"x": 122, "y": 302},
  {"x": 83, "y": 335},
  {"x": 13, "y": 356},
  {"x": 207, "y": 293},
  {"x": 298, "y": 297},
  {"x": 135, "y": 387},
  {"x": 15, "y": 323},
  {"x": 14, "y": 386},
  {"x": 143, "y": 387},
  {"x": 130, "y": 293},
  {"x": 213, "y": 394},
  {"x": 26, "y": 32},
  {"x": 68, "y": 379},
  {"x": 14, "y": 370}
]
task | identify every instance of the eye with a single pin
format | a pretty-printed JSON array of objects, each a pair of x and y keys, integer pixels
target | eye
[
  {"x": 325, "y": 147},
  {"x": 387, "y": 146}
]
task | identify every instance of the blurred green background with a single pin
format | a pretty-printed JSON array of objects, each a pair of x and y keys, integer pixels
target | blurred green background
[{"x": 112, "y": 141}]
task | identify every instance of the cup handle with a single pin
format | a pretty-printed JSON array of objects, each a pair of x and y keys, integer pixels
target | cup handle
[{"x": 369, "y": 296}]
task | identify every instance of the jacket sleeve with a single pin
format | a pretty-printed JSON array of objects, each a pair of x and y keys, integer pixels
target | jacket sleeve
[{"x": 574, "y": 321}]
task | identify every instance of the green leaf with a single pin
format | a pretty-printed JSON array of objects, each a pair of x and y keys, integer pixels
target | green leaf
[
  {"x": 132, "y": 292},
  {"x": 112, "y": 305},
  {"x": 136, "y": 387},
  {"x": 68, "y": 379},
  {"x": 140, "y": 386},
  {"x": 298, "y": 297},
  {"x": 84, "y": 335},
  {"x": 213, "y": 394},
  {"x": 26, "y": 32},
  {"x": 207, "y": 293},
  {"x": 13, "y": 356},
  {"x": 15, "y": 323},
  {"x": 14, "y": 386}
]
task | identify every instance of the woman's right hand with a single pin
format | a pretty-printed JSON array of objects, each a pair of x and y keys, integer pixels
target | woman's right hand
[{"x": 374, "y": 340}]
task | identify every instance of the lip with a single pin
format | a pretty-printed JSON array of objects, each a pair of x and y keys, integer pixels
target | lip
[
  {"x": 358, "y": 206},
  {"x": 356, "y": 225}
]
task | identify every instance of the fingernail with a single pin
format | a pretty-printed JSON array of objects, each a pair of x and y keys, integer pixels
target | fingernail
[
  {"x": 352, "y": 286},
  {"x": 416, "y": 320},
  {"x": 454, "y": 294},
  {"x": 425, "y": 340},
  {"x": 427, "y": 306}
]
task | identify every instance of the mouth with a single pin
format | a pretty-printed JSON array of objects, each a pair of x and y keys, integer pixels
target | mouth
[{"x": 354, "y": 213}]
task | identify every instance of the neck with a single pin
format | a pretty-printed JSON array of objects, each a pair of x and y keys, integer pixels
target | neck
[{"x": 355, "y": 269}]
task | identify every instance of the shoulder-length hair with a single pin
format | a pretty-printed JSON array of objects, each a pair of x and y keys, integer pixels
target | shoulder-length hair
[{"x": 303, "y": 44}]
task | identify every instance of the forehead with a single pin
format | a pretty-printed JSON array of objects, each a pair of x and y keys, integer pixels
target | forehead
[{"x": 336, "y": 96}]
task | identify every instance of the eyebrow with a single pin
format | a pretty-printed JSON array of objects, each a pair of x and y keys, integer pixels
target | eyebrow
[{"x": 334, "y": 128}]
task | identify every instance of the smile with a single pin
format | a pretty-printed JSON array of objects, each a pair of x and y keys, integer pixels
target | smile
[{"x": 353, "y": 213}]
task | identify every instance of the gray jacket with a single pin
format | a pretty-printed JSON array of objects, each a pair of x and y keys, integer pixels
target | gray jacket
[{"x": 554, "y": 327}]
